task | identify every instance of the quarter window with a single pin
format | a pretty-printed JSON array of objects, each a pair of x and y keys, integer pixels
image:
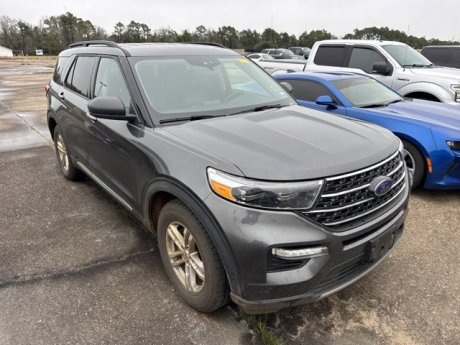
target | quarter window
[
  {"x": 57, "y": 76},
  {"x": 364, "y": 59},
  {"x": 110, "y": 81},
  {"x": 79, "y": 76}
]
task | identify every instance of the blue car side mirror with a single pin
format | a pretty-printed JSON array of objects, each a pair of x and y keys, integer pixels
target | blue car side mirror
[{"x": 326, "y": 100}]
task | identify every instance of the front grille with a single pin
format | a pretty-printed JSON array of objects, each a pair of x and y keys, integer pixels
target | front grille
[{"x": 347, "y": 197}]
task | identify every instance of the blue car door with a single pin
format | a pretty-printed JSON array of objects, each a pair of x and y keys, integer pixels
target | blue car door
[{"x": 307, "y": 92}]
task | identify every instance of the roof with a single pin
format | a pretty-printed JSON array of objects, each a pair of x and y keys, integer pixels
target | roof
[
  {"x": 328, "y": 76},
  {"x": 443, "y": 46},
  {"x": 365, "y": 42},
  {"x": 147, "y": 49}
]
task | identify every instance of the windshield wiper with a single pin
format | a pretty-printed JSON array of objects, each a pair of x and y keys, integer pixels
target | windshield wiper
[
  {"x": 189, "y": 118},
  {"x": 418, "y": 65},
  {"x": 262, "y": 107},
  {"x": 395, "y": 101},
  {"x": 377, "y": 105}
]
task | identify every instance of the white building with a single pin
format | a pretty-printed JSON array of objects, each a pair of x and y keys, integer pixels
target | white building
[{"x": 5, "y": 51}]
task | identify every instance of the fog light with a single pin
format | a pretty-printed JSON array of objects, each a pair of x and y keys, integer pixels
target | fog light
[{"x": 301, "y": 253}]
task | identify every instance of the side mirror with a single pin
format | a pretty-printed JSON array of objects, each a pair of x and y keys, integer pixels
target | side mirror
[
  {"x": 326, "y": 100},
  {"x": 288, "y": 87},
  {"x": 383, "y": 68},
  {"x": 111, "y": 108}
]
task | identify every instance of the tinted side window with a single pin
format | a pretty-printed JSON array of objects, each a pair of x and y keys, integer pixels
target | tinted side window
[
  {"x": 438, "y": 56},
  {"x": 308, "y": 90},
  {"x": 456, "y": 58},
  {"x": 79, "y": 76},
  {"x": 330, "y": 56},
  {"x": 60, "y": 64},
  {"x": 110, "y": 81},
  {"x": 364, "y": 59}
]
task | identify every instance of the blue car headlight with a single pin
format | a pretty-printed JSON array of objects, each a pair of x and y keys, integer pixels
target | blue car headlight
[{"x": 454, "y": 145}]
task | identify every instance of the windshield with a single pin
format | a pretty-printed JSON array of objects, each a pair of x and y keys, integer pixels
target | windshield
[
  {"x": 205, "y": 85},
  {"x": 366, "y": 92},
  {"x": 407, "y": 56}
]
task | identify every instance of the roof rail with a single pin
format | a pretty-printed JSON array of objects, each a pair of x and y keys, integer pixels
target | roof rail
[
  {"x": 212, "y": 44},
  {"x": 99, "y": 43}
]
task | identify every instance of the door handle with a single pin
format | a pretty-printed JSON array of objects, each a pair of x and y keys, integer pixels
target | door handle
[{"x": 61, "y": 95}]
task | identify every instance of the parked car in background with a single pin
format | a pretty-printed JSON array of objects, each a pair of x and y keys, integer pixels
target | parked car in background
[
  {"x": 430, "y": 131},
  {"x": 252, "y": 197},
  {"x": 281, "y": 53},
  {"x": 259, "y": 56},
  {"x": 395, "y": 64},
  {"x": 448, "y": 56},
  {"x": 301, "y": 51}
]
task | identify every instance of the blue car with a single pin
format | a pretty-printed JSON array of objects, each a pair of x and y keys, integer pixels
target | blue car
[{"x": 430, "y": 131}]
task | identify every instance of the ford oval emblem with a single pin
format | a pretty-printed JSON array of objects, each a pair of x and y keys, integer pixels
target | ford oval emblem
[{"x": 381, "y": 185}]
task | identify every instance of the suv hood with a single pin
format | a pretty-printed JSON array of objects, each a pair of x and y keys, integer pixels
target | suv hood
[
  {"x": 442, "y": 72},
  {"x": 292, "y": 143}
]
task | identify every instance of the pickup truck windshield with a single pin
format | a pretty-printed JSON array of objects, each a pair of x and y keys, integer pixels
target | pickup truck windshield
[
  {"x": 407, "y": 56},
  {"x": 366, "y": 92},
  {"x": 205, "y": 86}
]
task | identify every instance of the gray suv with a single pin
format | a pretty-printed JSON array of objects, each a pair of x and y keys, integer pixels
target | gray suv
[{"x": 251, "y": 196}]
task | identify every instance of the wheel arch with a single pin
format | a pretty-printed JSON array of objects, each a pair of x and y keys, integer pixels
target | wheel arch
[
  {"x": 164, "y": 189},
  {"x": 420, "y": 148},
  {"x": 432, "y": 91},
  {"x": 52, "y": 123}
]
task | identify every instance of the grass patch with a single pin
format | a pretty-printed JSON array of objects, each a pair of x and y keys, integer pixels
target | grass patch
[{"x": 254, "y": 322}]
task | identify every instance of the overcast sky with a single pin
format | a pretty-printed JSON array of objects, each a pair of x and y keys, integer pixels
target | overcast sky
[{"x": 432, "y": 19}]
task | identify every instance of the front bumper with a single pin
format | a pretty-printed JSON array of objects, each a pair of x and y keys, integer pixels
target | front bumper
[{"x": 253, "y": 233}]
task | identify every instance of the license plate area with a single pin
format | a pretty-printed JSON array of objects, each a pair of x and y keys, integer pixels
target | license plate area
[{"x": 378, "y": 247}]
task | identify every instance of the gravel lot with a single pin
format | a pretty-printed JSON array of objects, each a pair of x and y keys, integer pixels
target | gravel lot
[{"x": 76, "y": 268}]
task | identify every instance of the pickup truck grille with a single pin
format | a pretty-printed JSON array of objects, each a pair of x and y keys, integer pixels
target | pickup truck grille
[{"x": 346, "y": 198}]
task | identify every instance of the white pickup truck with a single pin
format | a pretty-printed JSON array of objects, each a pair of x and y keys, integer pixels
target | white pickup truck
[{"x": 393, "y": 63}]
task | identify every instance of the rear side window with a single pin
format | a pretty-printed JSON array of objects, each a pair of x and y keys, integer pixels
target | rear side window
[
  {"x": 364, "y": 59},
  {"x": 79, "y": 76},
  {"x": 438, "y": 56},
  {"x": 59, "y": 69},
  {"x": 330, "y": 56},
  {"x": 308, "y": 90}
]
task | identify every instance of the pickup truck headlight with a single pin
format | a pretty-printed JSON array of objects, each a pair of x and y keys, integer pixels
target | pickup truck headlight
[
  {"x": 267, "y": 195},
  {"x": 456, "y": 89},
  {"x": 454, "y": 145}
]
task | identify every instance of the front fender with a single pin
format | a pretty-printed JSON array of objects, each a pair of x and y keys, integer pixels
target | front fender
[
  {"x": 429, "y": 88},
  {"x": 196, "y": 205}
]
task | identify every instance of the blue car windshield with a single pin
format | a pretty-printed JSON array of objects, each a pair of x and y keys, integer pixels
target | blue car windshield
[
  {"x": 185, "y": 86},
  {"x": 366, "y": 92}
]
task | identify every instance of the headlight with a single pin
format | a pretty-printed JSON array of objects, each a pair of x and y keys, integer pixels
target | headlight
[
  {"x": 268, "y": 195},
  {"x": 454, "y": 145},
  {"x": 456, "y": 89}
]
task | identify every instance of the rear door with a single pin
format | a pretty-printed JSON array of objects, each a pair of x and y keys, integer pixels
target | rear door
[{"x": 72, "y": 115}]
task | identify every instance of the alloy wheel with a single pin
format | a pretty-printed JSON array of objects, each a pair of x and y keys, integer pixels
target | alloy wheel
[
  {"x": 184, "y": 257},
  {"x": 62, "y": 153}
]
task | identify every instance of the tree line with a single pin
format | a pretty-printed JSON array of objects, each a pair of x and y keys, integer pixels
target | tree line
[{"x": 55, "y": 33}]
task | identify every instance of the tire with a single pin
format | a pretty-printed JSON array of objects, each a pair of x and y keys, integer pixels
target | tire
[
  {"x": 207, "y": 288},
  {"x": 64, "y": 159},
  {"x": 415, "y": 163}
]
